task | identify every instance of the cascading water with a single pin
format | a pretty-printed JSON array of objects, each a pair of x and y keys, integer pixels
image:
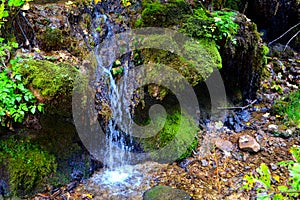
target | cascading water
[
  {"x": 119, "y": 179},
  {"x": 109, "y": 95},
  {"x": 115, "y": 140}
]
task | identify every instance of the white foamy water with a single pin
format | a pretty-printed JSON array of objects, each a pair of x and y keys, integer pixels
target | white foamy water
[{"x": 126, "y": 182}]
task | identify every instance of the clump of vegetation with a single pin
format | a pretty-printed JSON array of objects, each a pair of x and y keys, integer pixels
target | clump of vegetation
[
  {"x": 264, "y": 52},
  {"x": 15, "y": 99},
  {"x": 194, "y": 60},
  {"x": 289, "y": 108},
  {"x": 48, "y": 79},
  {"x": 218, "y": 26},
  {"x": 156, "y": 14},
  {"x": 262, "y": 182},
  {"x": 29, "y": 165},
  {"x": 179, "y": 131},
  {"x": 51, "y": 39}
]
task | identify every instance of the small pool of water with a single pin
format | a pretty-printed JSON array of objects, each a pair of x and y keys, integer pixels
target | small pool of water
[{"x": 126, "y": 182}]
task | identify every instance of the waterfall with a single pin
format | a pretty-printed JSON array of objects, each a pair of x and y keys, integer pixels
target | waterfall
[{"x": 118, "y": 138}]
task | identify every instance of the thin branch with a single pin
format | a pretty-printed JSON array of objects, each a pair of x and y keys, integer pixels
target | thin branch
[
  {"x": 22, "y": 31},
  {"x": 237, "y": 108},
  {"x": 284, "y": 34},
  {"x": 291, "y": 40},
  {"x": 30, "y": 25}
]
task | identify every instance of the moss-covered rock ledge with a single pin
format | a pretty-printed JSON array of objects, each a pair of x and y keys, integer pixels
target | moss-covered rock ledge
[
  {"x": 49, "y": 80},
  {"x": 50, "y": 83}
]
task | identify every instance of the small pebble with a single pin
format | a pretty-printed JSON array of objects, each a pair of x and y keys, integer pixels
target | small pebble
[
  {"x": 273, "y": 166},
  {"x": 283, "y": 144},
  {"x": 204, "y": 163}
]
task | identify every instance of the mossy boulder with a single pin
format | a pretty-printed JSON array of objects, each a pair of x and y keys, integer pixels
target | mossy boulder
[
  {"x": 165, "y": 193},
  {"x": 60, "y": 138},
  {"x": 243, "y": 62},
  {"x": 175, "y": 141},
  {"x": 28, "y": 164},
  {"x": 58, "y": 26},
  {"x": 195, "y": 63},
  {"x": 51, "y": 39},
  {"x": 157, "y": 14},
  {"x": 49, "y": 80},
  {"x": 199, "y": 59}
]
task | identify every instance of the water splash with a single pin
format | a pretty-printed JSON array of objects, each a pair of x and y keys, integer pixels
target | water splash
[{"x": 131, "y": 184}]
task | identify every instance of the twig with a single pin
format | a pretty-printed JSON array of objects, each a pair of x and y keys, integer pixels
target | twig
[
  {"x": 291, "y": 40},
  {"x": 283, "y": 34},
  {"x": 22, "y": 32},
  {"x": 238, "y": 107}
]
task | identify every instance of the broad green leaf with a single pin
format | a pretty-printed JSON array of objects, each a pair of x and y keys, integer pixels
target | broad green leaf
[
  {"x": 32, "y": 110},
  {"x": 21, "y": 87},
  {"x": 41, "y": 107},
  {"x": 16, "y": 3},
  {"x": 18, "y": 99},
  {"x": 278, "y": 197},
  {"x": 15, "y": 44},
  {"x": 18, "y": 77},
  {"x": 282, "y": 188}
]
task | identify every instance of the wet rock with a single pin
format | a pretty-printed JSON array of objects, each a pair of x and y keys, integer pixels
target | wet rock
[
  {"x": 245, "y": 65},
  {"x": 224, "y": 145},
  {"x": 166, "y": 193},
  {"x": 273, "y": 166},
  {"x": 72, "y": 185},
  {"x": 248, "y": 143},
  {"x": 283, "y": 144},
  {"x": 3, "y": 188},
  {"x": 273, "y": 127},
  {"x": 204, "y": 163}
]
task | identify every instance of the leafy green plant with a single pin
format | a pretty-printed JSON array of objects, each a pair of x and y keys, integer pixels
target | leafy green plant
[
  {"x": 226, "y": 28},
  {"x": 218, "y": 25},
  {"x": 262, "y": 182},
  {"x": 7, "y": 7},
  {"x": 15, "y": 99},
  {"x": 28, "y": 164}
]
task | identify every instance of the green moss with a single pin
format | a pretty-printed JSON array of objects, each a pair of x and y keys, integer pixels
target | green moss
[
  {"x": 204, "y": 56},
  {"x": 199, "y": 58},
  {"x": 138, "y": 23},
  {"x": 29, "y": 165},
  {"x": 60, "y": 139},
  {"x": 180, "y": 129},
  {"x": 235, "y": 4},
  {"x": 198, "y": 25},
  {"x": 48, "y": 79},
  {"x": 156, "y": 14},
  {"x": 51, "y": 39}
]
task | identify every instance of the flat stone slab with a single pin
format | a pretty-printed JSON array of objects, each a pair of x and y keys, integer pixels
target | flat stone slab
[{"x": 165, "y": 193}]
